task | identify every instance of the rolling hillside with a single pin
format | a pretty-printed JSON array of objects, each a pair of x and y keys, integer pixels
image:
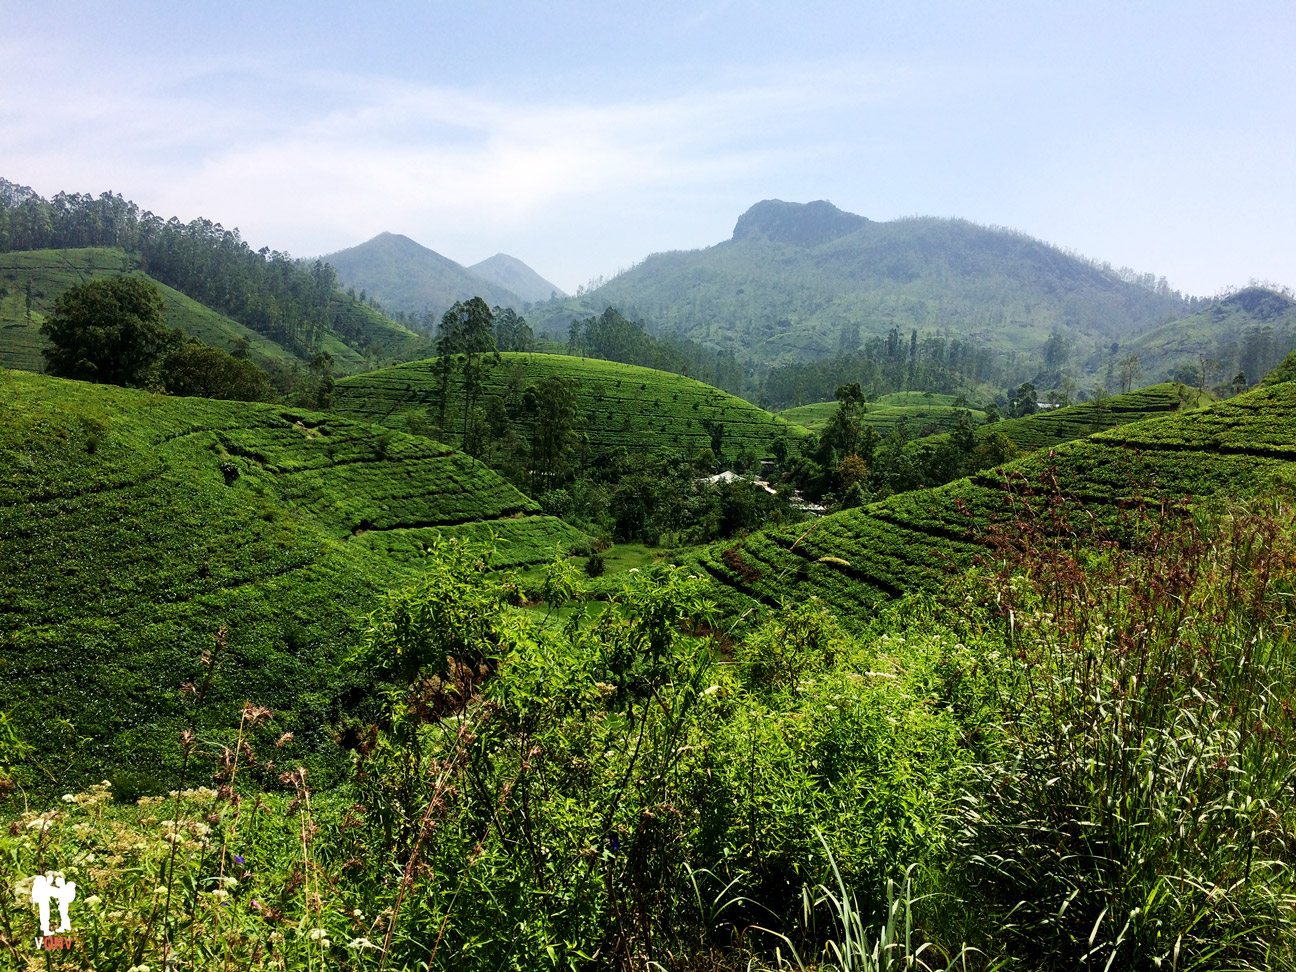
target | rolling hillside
[
  {"x": 134, "y": 526},
  {"x": 296, "y": 307},
  {"x": 797, "y": 281},
  {"x": 50, "y": 272},
  {"x": 406, "y": 276},
  {"x": 858, "y": 559},
  {"x": 618, "y": 405},
  {"x": 925, "y": 413}
]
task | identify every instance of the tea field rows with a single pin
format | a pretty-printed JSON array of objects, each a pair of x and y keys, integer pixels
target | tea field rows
[
  {"x": 856, "y": 559},
  {"x": 133, "y": 527},
  {"x": 617, "y": 405}
]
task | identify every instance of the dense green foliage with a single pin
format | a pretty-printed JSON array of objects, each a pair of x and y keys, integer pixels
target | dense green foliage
[
  {"x": 133, "y": 526},
  {"x": 614, "y": 337},
  {"x": 107, "y": 331},
  {"x": 801, "y": 282},
  {"x": 299, "y": 309},
  {"x": 1078, "y": 756},
  {"x": 617, "y": 406}
]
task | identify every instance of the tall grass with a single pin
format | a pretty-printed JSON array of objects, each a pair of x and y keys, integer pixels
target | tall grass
[{"x": 1142, "y": 814}]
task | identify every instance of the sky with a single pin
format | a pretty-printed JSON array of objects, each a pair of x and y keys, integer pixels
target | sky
[{"x": 581, "y": 137}]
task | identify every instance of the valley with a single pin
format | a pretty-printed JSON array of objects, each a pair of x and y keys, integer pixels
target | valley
[{"x": 491, "y": 633}]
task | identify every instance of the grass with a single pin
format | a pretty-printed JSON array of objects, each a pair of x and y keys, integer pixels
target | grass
[
  {"x": 618, "y": 406},
  {"x": 134, "y": 526}
]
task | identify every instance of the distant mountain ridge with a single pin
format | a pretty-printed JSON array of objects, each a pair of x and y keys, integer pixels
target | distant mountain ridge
[
  {"x": 1248, "y": 332},
  {"x": 403, "y": 275},
  {"x": 514, "y": 275},
  {"x": 803, "y": 281}
]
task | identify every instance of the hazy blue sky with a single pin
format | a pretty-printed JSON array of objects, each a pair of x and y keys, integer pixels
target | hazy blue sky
[{"x": 580, "y": 137}]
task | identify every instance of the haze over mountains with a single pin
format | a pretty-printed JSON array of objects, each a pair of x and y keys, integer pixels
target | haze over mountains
[
  {"x": 405, "y": 276},
  {"x": 802, "y": 281}
]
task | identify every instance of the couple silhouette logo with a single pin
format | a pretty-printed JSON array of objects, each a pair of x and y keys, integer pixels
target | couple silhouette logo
[{"x": 51, "y": 887}]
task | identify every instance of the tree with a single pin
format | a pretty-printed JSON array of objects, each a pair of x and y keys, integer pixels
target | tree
[
  {"x": 552, "y": 403},
  {"x": 194, "y": 369},
  {"x": 1025, "y": 401},
  {"x": 1131, "y": 370},
  {"x": 108, "y": 331},
  {"x": 467, "y": 329}
]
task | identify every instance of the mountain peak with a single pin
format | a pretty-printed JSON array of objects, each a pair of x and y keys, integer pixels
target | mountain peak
[
  {"x": 1260, "y": 302},
  {"x": 805, "y": 224},
  {"x": 510, "y": 272}
]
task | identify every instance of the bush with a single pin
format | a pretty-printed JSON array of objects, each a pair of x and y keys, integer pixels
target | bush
[{"x": 594, "y": 566}]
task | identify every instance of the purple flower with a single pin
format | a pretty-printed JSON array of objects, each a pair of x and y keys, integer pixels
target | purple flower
[{"x": 237, "y": 859}]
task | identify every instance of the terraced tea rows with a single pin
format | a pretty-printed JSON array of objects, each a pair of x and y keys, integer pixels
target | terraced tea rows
[
  {"x": 133, "y": 526},
  {"x": 1054, "y": 426},
  {"x": 922, "y": 414},
  {"x": 617, "y": 405},
  {"x": 857, "y": 558}
]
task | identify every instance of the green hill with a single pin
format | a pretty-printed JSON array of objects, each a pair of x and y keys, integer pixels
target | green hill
[
  {"x": 297, "y": 307},
  {"x": 860, "y": 558},
  {"x": 134, "y": 526},
  {"x": 1250, "y": 332},
  {"x": 924, "y": 413},
  {"x": 50, "y": 272},
  {"x": 618, "y": 405},
  {"x": 800, "y": 282}
]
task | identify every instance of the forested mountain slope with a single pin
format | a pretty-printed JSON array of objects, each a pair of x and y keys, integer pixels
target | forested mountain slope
[
  {"x": 1249, "y": 331},
  {"x": 298, "y": 308},
  {"x": 797, "y": 282},
  {"x": 134, "y": 527},
  {"x": 515, "y": 276},
  {"x": 48, "y": 273}
]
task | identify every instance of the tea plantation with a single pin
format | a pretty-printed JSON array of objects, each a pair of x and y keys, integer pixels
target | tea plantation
[
  {"x": 618, "y": 405},
  {"x": 134, "y": 527},
  {"x": 1052, "y": 427},
  {"x": 857, "y": 559},
  {"x": 925, "y": 414}
]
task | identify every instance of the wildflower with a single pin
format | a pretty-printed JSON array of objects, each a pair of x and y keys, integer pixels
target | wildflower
[
  {"x": 238, "y": 859},
  {"x": 361, "y": 943},
  {"x": 138, "y": 968},
  {"x": 317, "y": 933},
  {"x": 69, "y": 798},
  {"x": 93, "y": 901}
]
